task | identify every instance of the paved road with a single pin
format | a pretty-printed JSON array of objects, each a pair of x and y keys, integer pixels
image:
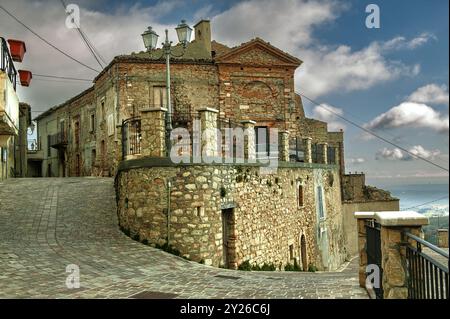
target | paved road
[{"x": 48, "y": 224}]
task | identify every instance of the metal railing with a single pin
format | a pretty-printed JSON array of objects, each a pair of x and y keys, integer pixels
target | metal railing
[
  {"x": 373, "y": 250},
  {"x": 58, "y": 139},
  {"x": 296, "y": 150},
  {"x": 331, "y": 155},
  {"x": 33, "y": 145},
  {"x": 6, "y": 62},
  {"x": 428, "y": 277},
  {"x": 131, "y": 136}
]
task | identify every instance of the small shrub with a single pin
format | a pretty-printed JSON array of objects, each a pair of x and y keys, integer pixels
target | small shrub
[
  {"x": 289, "y": 267},
  {"x": 145, "y": 241},
  {"x": 312, "y": 268},
  {"x": 245, "y": 266},
  {"x": 136, "y": 237},
  {"x": 268, "y": 267}
]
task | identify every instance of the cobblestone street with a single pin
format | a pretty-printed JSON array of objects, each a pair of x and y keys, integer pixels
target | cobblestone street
[{"x": 47, "y": 224}]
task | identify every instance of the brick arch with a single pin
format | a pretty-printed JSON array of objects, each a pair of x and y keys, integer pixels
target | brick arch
[{"x": 258, "y": 89}]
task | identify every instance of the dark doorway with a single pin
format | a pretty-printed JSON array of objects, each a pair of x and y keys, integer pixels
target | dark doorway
[
  {"x": 303, "y": 253},
  {"x": 78, "y": 165},
  {"x": 228, "y": 237}
]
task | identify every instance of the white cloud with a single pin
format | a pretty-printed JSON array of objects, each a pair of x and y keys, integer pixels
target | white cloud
[
  {"x": 322, "y": 114},
  {"x": 287, "y": 24},
  {"x": 356, "y": 161},
  {"x": 410, "y": 114},
  {"x": 401, "y": 43},
  {"x": 398, "y": 154},
  {"x": 341, "y": 69},
  {"x": 431, "y": 93}
]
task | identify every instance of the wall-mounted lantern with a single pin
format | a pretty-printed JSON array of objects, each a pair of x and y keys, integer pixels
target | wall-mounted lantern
[
  {"x": 17, "y": 49},
  {"x": 25, "y": 77}
]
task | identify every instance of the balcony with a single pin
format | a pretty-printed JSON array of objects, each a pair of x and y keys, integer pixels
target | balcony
[
  {"x": 58, "y": 140},
  {"x": 9, "y": 102}
]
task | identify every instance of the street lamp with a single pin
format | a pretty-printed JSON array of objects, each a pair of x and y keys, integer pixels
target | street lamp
[{"x": 150, "y": 39}]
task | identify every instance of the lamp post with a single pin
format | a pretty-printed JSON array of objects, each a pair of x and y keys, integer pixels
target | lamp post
[{"x": 150, "y": 38}]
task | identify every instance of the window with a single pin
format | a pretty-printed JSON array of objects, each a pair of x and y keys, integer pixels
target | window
[
  {"x": 300, "y": 195},
  {"x": 102, "y": 102},
  {"x": 262, "y": 141},
  {"x": 110, "y": 124},
  {"x": 48, "y": 146},
  {"x": 291, "y": 252},
  {"x": 159, "y": 96},
  {"x": 320, "y": 202},
  {"x": 92, "y": 123},
  {"x": 93, "y": 156}
]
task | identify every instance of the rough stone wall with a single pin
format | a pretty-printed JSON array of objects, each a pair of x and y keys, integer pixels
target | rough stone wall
[{"x": 266, "y": 214}]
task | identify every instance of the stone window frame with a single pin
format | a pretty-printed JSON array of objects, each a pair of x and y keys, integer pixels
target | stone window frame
[
  {"x": 320, "y": 202},
  {"x": 92, "y": 122},
  {"x": 103, "y": 108},
  {"x": 300, "y": 184}
]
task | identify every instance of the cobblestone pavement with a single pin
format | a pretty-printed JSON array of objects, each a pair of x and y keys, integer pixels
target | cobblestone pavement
[{"x": 47, "y": 224}]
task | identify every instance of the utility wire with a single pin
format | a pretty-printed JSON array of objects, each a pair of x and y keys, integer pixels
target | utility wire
[
  {"x": 46, "y": 41},
  {"x": 426, "y": 203},
  {"x": 372, "y": 133},
  {"x": 84, "y": 38},
  {"x": 60, "y": 77}
]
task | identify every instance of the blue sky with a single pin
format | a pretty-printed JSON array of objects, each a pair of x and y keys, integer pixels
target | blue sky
[{"x": 393, "y": 80}]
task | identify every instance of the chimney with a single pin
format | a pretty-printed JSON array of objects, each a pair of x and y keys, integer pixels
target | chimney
[{"x": 203, "y": 34}]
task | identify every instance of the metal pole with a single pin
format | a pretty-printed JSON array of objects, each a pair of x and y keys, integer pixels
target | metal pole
[
  {"x": 169, "y": 185},
  {"x": 167, "y": 49}
]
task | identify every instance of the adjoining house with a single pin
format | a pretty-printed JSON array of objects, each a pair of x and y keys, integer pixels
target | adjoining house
[
  {"x": 222, "y": 214},
  {"x": 15, "y": 117}
]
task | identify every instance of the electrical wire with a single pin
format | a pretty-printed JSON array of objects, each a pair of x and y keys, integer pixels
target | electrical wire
[
  {"x": 321, "y": 105},
  {"x": 46, "y": 41},
  {"x": 84, "y": 37},
  {"x": 60, "y": 77},
  {"x": 426, "y": 203}
]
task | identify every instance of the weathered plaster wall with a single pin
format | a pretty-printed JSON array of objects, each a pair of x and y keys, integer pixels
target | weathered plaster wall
[{"x": 350, "y": 223}]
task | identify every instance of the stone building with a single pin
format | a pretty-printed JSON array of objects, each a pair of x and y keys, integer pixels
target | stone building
[
  {"x": 15, "y": 118},
  {"x": 222, "y": 214}
]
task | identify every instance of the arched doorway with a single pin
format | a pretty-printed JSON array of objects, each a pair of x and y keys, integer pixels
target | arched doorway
[{"x": 303, "y": 253}]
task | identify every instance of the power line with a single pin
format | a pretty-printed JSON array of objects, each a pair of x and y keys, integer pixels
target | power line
[
  {"x": 372, "y": 133},
  {"x": 426, "y": 203},
  {"x": 84, "y": 37},
  {"x": 46, "y": 41},
  {"x": 60, "y": 77}
]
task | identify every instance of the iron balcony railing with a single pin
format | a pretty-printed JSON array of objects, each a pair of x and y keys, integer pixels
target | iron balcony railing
[
  {"x": 428, "y": 276},
  {"x": 131, "y": 136},
  {"x": 6, "y": 62},
  {"x": 58, "y": 140}
]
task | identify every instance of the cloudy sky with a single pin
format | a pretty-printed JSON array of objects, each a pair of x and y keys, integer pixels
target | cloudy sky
[{"x": 392, "y": 80}]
